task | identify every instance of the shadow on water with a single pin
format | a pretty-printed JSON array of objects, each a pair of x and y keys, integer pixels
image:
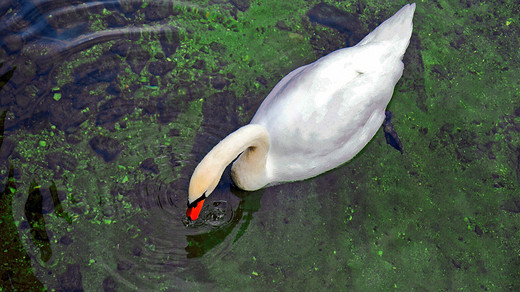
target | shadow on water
[
  {"x": 34, "y": 215},
  {"x": 3, "y": 81},
  {"x": 16, "y": 271}
]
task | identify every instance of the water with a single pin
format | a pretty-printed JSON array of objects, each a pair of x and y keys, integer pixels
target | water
[{"x": 107, "y": 106}]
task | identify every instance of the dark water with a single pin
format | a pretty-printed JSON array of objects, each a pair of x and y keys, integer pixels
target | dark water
[{"x": 107, "y": 106}]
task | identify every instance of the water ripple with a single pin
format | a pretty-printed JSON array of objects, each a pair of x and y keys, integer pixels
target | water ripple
[{"x": 135, "y": 235}]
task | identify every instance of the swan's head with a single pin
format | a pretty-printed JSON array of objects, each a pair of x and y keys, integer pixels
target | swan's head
[
  {"x": 203, "y": 181},
  {"x": 250, "y": 140}
]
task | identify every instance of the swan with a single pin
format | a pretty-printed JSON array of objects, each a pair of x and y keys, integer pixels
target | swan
[{"x": 316, "y": 118}]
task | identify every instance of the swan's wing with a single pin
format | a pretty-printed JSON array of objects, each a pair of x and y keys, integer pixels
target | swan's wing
[
  {"x": 308, "y": 90},
  {"x": 317, "y": 109}
]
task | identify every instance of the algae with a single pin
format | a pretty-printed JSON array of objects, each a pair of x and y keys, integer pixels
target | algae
[{"x": 441, "y": 216}]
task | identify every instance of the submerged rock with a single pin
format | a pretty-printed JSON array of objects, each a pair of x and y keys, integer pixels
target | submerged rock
[
  {"x": 241, "y": 5},
  {"x": 328, "y": 15},
  {"x": 107, "y": 148},
  {"x": 71, "y": 279},
  {"x": 149, "y": 165}
]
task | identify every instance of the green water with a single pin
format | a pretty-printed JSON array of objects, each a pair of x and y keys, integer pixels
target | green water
[{"x": 108, "y": 107}]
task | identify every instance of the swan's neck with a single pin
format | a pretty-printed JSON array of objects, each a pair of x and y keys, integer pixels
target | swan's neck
[{"x": 249, "y": 171}]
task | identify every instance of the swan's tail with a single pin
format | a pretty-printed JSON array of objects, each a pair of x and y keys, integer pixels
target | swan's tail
[{"x": 397, "y": 29}]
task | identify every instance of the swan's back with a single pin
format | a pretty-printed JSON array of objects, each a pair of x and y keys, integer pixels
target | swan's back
[{"x": 322, "y": 114}]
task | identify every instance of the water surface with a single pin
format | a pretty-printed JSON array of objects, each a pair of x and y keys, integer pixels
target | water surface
[{"x": 107, "y": 106}]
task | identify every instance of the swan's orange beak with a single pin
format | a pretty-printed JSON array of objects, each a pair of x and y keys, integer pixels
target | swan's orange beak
[{"x": 194, "y": 211}]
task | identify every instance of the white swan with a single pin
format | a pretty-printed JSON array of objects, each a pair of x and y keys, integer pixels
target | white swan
[{"x": 316, "y": 118}]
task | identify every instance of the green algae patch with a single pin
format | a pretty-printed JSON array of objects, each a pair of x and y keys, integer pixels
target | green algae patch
[
  {"x": 242, "y": 48},
  {"x": 57, "y": 96},
  {"x": 67, "y": 70},
  {"x": 188, "y": 124}
]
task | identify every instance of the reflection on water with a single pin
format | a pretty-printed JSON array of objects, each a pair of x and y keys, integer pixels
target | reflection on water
[
  {"x": 219, "y": 219},
  {"x": 107, "y": 106}
]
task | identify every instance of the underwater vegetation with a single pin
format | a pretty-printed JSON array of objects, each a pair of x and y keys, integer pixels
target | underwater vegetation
[{"x": 107, "y": 106}]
